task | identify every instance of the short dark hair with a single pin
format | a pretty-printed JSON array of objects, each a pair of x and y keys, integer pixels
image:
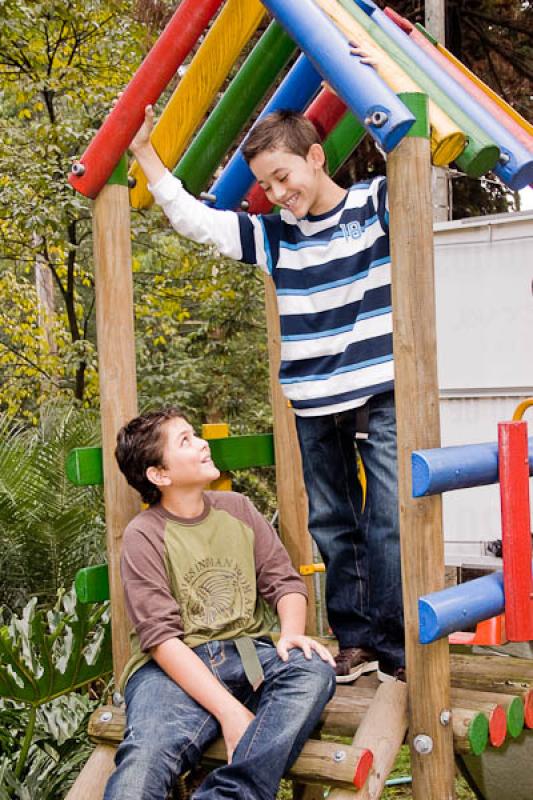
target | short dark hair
[
  {"x": 140, "y": 445},
  {"x": 281, "y": 130}
]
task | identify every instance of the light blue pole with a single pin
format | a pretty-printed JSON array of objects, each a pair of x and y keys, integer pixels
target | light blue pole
[
  {"x": 460, "y": 607},
  {"x": 443, "y": 469},
  {"x": 515, "y": 167}
]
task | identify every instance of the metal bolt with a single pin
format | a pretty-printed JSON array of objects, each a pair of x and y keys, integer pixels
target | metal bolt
[
  {"x": 504, "y": 158},
  {"x": 339, "y": 755},
  {"x": 117, "y": 699},
  {"x": 377, "y": 119},
  {"x": 245, "y": 205},
  {"x": 106, "y": 716},
  {"x": 78, "y": 169},
  {"x": 132, "y": 182},
  {"x": 445, "y": 717},
  {"x": 208, "y": 197},
  {"x": 423, "y": 744}
]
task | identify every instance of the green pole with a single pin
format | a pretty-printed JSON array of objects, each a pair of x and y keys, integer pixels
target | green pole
[
  {"x": 342, "y": 141},
  {"x": 235, "y": 108}
]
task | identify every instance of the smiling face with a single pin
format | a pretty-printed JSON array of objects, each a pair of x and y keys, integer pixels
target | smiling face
[
  {"x": 187, "y": 462},
  {"x": 292, "y": 181}
]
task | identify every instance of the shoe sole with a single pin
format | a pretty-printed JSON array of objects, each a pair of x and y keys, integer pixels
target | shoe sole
[
  {"x": 362, "y": 669},
  {"x": 384, "y": 677}
]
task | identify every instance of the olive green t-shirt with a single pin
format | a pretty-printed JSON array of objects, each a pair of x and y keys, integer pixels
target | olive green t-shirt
[{"x": 217, "y": 576}]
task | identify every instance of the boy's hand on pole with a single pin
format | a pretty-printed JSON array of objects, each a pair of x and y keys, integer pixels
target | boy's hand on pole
[
  {"x": 142, "y": 137},
  {"x": 364, "y": 56},
  {"x": 288, "y": 642}
]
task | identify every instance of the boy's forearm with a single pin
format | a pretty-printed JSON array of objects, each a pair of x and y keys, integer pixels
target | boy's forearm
[
  {"x": 149, "y": 162},
  {"x": 292, "y": 611},
  {"x": 190, "y": 673}
]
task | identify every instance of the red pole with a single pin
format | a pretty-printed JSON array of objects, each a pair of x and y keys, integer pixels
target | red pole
[
  {"x": 95, "y": 166},
  {"x": 516, "y": 536}
]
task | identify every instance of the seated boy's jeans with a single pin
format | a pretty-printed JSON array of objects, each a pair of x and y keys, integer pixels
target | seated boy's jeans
[
  {"x": 361, "y": 550},
  {"x": 167, "y": 731}
]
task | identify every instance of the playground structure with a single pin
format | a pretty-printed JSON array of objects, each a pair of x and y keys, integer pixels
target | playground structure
[{"x": 390, "y": 104}]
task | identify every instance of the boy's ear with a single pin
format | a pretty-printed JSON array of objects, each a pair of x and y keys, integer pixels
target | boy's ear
[
  {"x": 157, "y": 476},
  {"x": 316, "y": 156}
]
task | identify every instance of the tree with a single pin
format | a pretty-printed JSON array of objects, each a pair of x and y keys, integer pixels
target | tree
[{"x": 61, "y": 63}]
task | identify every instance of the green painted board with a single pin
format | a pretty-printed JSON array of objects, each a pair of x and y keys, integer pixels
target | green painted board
[
  {"x": 237, "y": 105},
  {"x": 84, "y": 464},
  {"x": 92, "y": 584}
]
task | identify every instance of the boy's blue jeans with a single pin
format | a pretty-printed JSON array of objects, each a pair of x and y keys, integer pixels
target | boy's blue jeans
[
  {"x": 361, "y": 550},
  {"x": 167, "y": 731}
]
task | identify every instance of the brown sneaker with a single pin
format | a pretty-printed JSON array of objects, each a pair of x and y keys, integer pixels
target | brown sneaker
[{"x": 351, "y": 662}]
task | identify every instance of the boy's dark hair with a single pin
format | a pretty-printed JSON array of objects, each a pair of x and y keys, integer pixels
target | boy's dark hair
[
  {"x": 140, "y": 445},
  {"x": 281, "y": 130}
]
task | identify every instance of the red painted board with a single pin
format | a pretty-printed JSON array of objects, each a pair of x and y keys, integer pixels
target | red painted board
[
  {"x": 516, "y": 537},
  {"x": 172, "y": 47},
  {"x": 326, "y": 110}
]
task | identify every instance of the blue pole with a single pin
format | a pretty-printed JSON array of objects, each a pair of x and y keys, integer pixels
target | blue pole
[
  {"x": 364, "y": 92},
  {"x": 295, "y": 92},
  {"x": 515, "y": 166},
  {"x": 444, "y": 469},
  {"x": 460, "y": 607}
]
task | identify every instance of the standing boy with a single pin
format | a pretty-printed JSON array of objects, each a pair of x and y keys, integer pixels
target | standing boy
[
  {"x": 203, "y": 573},
  {"x": 329, "y": 257}
]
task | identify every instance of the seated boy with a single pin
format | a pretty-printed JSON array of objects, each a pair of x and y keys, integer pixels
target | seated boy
[{"x": 203, "y": 573}]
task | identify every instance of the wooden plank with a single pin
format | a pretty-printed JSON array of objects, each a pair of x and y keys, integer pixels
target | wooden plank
[
  {"x": 91, "y": 782},
  {"x": 417, "y": 408},
  {"x": 292, "y": 499},
  {"x": 118, "y": 385},
  {"x": 382, "y": 731}
]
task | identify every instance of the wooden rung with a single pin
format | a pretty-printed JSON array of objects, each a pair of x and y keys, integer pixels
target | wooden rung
[
  {"x": 382, "y": 730},
  {"x": 84, "y": 464},
  {"x": 324, "y": 762},
  {"x": 492, "y": 673}
]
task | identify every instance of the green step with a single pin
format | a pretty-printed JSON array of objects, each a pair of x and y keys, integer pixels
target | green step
[{"x": 84, "y": 464}]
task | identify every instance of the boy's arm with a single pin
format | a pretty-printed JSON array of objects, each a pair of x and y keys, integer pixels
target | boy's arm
[
  {"x": 238, "y": 236},
  {"x": 292, "y": 610},
  {"x": 190, "y": 673}
]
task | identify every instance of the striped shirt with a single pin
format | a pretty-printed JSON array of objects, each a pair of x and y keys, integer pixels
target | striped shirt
[{"x": 332, "y": 275}]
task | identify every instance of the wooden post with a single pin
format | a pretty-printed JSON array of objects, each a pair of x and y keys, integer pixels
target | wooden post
[
  {"x": 417, "y": 408},
  {"x": 118, "y": 386},
  {"x": 292, "y": 499}
]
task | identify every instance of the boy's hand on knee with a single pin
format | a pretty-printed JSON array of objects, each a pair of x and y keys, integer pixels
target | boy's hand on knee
[
  {"x": 288, "y": 642},
  {"x": 234, "y": 726}
]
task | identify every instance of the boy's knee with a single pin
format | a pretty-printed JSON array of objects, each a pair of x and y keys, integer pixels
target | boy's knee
[{"x": 317, "y": 675}]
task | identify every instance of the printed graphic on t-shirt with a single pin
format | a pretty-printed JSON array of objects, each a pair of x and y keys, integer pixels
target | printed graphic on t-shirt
[{"x": 216, "y": 595}]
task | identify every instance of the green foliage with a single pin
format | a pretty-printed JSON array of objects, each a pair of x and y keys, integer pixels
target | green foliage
[
  {"x": 47, "y": 654},
  {"x": 44, "y": 657},
  {"x": 48, "y": 527}
]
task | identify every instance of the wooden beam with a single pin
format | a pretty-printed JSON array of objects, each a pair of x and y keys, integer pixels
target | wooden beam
[
  {"x": 118, "y": 386},
  {"x": 292, "y": 499},
  {"x": 417, "y": 409},
  {"x": 382, "y": 730},
  {"x": 91, "y": 782}
]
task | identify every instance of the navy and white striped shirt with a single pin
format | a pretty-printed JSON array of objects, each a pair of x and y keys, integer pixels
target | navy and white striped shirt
[{"x": 332, "y": 279}]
